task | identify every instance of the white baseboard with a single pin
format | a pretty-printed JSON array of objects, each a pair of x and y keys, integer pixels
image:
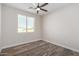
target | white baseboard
[
  {"x": 63, "y": 46},
  {"x": 18, "y": 44}
]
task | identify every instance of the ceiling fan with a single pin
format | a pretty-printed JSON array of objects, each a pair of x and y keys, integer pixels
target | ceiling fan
[{"x": 39, "y": 7}]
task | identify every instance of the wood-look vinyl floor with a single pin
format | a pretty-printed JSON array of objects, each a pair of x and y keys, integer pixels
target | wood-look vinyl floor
[{"x": 38, "y": 48}]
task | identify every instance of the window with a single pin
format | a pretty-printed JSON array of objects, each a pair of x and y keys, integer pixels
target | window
[
  {"x": 21, "y": 23},
  {"x": 25, "y": 24},
  {"x": 30, "y": 24}
]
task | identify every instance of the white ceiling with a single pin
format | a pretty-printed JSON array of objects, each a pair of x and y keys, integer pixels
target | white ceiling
[{"x": 25, "y": 6}]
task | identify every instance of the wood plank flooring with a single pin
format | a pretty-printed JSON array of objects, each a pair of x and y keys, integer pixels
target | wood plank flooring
[{"x": 38, "y": 48}]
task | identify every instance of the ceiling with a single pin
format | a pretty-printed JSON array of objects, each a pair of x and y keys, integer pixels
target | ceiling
[{"x": 25, "y": 6}]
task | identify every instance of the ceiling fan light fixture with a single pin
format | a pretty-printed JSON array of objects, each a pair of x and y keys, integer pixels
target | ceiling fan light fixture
[{"x": 38, "y": 9}]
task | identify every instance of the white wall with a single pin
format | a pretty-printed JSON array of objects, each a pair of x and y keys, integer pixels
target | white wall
[
  {"x": 0, "y": 28},
  {"x": 61, "y": 27},
  {"x": 9, "y": 25}
]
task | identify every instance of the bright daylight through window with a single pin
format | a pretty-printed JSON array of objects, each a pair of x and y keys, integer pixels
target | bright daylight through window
[{"x": 25, "y": 23}]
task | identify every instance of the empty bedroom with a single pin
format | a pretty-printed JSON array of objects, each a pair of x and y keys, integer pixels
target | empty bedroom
[{"x": 39, "y": 29}]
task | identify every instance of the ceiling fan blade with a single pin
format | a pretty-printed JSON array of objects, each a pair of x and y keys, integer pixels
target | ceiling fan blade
[
  {"x": 44, "y": 4},
  {"x": 37, "y": 11},
  {"x": 31, "y": 8},
  {"x": 38, "y": 5},
  {"x": 44, "y": 10},
  {"x": 34, "y": 5}
]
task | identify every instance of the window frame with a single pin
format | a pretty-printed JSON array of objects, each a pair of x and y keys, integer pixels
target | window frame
[
  {"x": 26, "y": 24},
  {"x": 33, "y": 24}
]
